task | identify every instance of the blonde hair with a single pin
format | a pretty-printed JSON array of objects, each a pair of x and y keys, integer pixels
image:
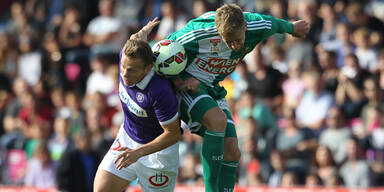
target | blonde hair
[
  {"x": 229, "y": 18},
  {"x": 139, "y": 49}
]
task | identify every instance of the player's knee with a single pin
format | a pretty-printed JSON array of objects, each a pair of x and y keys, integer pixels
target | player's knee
[
  {"x": 232, "y": 154},
  {"x": 216, "y": 121}
]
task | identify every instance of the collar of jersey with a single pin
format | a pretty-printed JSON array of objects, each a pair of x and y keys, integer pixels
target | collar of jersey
[{"x": 145, "y": 81}]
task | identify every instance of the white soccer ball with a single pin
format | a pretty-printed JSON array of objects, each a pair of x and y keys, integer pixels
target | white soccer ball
[{"x": 170, "y": 57}]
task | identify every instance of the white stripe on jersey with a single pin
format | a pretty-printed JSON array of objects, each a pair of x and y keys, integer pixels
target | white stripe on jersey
[
  {"x": 260, "y": 21},
  {"x": 257, "y": 28},
  {"x": 192, "y": 35},
  {"x": 197, "y": 36},
  {"x": 197, "y": 33}
]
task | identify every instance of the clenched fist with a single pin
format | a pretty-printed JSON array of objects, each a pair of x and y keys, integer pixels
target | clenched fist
[{"x": 301, "y": 28}]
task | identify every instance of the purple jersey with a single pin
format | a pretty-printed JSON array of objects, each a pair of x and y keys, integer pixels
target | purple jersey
[{"x": 147, "y": 105}]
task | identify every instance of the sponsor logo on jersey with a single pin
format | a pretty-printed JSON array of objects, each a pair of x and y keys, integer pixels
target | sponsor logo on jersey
[
  {"x": 217, "y": 65},
  {"x": 215, "y": 45},
  {"x": 131, "y": 104},
  {"x": 158, "y": 179}
]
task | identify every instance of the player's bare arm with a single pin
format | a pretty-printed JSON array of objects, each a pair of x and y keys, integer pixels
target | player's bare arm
[
  {"x": 301, "y": 28},
  {"x": 146, "y": 30},
  {"x": 170, "y": 136}
]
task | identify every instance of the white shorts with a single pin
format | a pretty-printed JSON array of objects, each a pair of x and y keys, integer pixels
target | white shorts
[{"x": 156, "y": 172}]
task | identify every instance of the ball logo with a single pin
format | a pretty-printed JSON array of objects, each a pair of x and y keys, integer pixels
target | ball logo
[
  {"x": 158, "y": 180},
  {"x": 139, "y": 97}
]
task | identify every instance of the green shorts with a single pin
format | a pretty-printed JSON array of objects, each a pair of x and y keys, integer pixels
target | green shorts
[{"x": 193, "y": 106}]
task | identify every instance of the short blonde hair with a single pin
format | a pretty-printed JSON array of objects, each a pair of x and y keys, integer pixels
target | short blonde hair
[
  {"x": 229, "y": 18},
  {"x": 140, "y": 50}
]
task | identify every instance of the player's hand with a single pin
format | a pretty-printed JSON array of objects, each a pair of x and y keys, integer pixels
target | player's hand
[
  {"x": 127, "y": 157},
  {"x": 150, "y": 25},
  {"x": 190, "y": 84},
  {"x": 146, "y": 30},
  {"x": 301, "y": 28}
]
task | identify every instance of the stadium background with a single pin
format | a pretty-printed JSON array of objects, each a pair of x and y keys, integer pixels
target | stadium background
[{"x": 309, "y": 112}]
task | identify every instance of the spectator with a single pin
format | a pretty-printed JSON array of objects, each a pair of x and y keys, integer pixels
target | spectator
[
  {"x": 105, "y": 34},
  {"x": 380, "y": 74},
  {"x": 315, "y": 104},
  {"x": 330, "y": 71},
  {"x": 355, "y": 171},
  {"x": 293, "y": 86},
  {"x": 265, "y": 82},
  {"x": 99, "y": 80},
  {"x": 328, "y": 33},
  {"x": 278, "y": 166},
  {"x": 60, "y": 141},
  {"x": 349, "y": 93},
  {"x": 41, "y": 170},
  {"x": 53, "y": 62},
  {"x": 289, "y": 179},
  {"x": 76, "y": 120},
  {"x": 358, "y": 18},
  {"x": 29, "y": 62},
  {"x": 172, "y": 19},
  {"x": 335, "y": 137},
  {"x": 77, "y": 167},
  {"x": 61, "y": 109},
  {"x": 313, "y": 181},
  {"x": 8, "y": 55},
  {"x": 295, "y": 144},
  {"x": 369, "y": 114},
  {"x": 342, "y": 45},
  {"x": 364, "y": 52},
  {"x": 324, "y": 166},
  {"x": 376, "y": 152}
]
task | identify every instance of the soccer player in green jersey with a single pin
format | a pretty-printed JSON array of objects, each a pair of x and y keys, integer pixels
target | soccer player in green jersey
[{"x": 216, "y": 43}]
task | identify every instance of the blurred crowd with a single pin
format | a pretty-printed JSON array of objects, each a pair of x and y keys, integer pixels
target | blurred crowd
[{"x": 308, "y": 111}]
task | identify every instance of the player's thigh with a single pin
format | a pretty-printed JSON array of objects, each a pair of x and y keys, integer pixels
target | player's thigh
[
  {"x": 153, "y": 180},
  {"x": 108, "y": 176},
  {"x": 193, "y": 107},
  {"x": 106, "y": 181}
]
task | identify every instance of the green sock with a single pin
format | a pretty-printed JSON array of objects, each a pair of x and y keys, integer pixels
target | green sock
[
  {"x": 212, "y": 156},
  {"x": 228, "y": 176}
]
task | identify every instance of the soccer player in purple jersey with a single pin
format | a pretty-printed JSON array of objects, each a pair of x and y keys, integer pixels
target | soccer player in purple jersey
[{"x": 146, "y": 145}]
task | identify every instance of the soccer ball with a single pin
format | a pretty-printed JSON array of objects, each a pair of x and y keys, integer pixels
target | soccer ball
[{"x": 169, "y": 57}]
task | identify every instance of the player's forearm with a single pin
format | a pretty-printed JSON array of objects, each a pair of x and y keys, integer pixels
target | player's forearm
[
  {"x": 280, "y": 25},
  {"x": 161, "y": 142}
]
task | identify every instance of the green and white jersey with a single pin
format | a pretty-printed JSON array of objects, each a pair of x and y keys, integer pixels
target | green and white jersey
[{"x": 209, "y": 58}]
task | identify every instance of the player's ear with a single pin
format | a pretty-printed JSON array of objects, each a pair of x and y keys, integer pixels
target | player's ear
[{"x": 148, "y": 68}]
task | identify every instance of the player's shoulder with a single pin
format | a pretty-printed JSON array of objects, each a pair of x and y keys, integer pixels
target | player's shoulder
[
  {"x": 249, "y": 16},
  {"x": 204, "y": 21},
  {"x": 159, "y": 85}
]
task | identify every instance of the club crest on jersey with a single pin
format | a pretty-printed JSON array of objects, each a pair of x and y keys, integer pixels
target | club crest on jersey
[
  {"x": 132, "y": 106},
  {"x": 139, "y": 97},
  {"x": 158, "y": 179},
  {"x": 215, "y": 45}
]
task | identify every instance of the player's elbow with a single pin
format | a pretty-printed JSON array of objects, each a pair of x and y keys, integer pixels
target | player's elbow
[{"x": 177, "y": 136}]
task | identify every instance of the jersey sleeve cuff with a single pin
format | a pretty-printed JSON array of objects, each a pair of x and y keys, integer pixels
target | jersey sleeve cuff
[{"x": 170, "y": 120}]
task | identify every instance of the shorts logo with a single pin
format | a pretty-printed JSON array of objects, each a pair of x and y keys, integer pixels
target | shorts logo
[
  {"x": 158, "y": 180},
  {"x": 139, "y": 97},
  {"x": 116, "y": 145}
]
